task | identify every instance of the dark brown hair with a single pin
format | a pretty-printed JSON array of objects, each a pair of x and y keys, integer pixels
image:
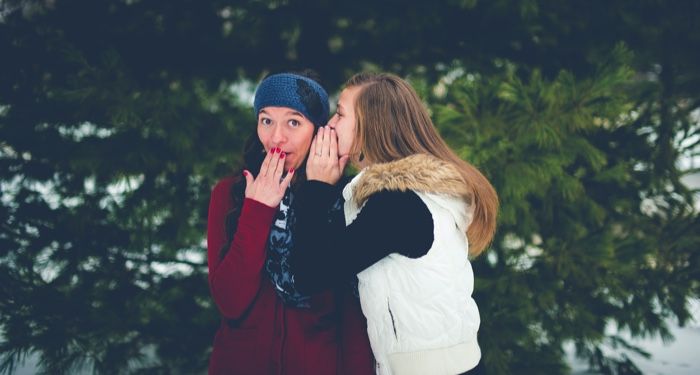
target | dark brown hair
[{"x": 253, "y": 156}]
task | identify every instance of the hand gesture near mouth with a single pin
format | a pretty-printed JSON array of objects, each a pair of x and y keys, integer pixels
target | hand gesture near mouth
[{"x": 268, "y": 187}]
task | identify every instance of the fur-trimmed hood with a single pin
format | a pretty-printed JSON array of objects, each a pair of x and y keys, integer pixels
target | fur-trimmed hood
[{"x": 422, "y": 173}]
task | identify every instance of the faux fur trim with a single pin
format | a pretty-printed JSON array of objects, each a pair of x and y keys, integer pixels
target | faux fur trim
[{"x": 420, "y": 172}]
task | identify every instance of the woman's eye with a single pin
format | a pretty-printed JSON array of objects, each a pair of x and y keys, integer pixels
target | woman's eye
[
  {"x": 265, "y": 121},
  {"x": 294, "y": 123}
]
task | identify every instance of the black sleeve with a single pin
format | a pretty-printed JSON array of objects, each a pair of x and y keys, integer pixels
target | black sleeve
[{"x": 327, "y": 252}]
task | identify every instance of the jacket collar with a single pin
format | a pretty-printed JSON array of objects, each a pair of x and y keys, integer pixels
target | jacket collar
[{"x": 422, "y": 173}]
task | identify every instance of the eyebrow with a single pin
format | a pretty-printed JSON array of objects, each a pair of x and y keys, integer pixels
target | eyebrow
[{"x": 289, "y": 113}]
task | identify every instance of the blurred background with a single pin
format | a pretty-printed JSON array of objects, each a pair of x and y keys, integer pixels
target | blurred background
[{"x": 118, "y": 116}]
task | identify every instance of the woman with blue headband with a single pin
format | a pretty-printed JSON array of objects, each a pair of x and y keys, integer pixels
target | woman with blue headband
[{"x": 269, "y": 327}]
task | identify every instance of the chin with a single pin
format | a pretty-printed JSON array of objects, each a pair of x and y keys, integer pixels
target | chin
[{"x": 289, "y": 165}]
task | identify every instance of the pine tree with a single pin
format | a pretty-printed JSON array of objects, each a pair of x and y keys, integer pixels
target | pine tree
[
  {"x": 585, "y": 241},
  {"x": 105, "y": 174},
  {"x": 117, "y": 116}
]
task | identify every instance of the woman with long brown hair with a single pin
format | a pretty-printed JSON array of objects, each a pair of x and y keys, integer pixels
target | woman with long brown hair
[{"x": 413, "y": 217}]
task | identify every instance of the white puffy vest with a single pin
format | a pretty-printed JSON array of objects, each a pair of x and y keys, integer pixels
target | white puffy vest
[{"x": 421, "y": 318}]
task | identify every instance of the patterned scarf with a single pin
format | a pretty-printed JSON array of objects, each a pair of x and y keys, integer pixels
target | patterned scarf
[{"x": 279, "y": 244}]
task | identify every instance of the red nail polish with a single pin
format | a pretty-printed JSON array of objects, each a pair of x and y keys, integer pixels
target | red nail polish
[
  {"x": 282, "y": 155},
  {"x": 277, "y": 150},
  {"x": 291, "y": 170},
  {"x": 245, "y": 173},
  {"x": 272, "y": 150}
]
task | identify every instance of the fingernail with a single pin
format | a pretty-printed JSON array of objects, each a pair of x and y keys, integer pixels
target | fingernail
[
  {"x": 291, "y": 170},
  {"x": 282, "y": 155},
  {"x": 277, "y": 150},
  {"x": 272, "y": 150},
  {"x": 245, "y": 173}
]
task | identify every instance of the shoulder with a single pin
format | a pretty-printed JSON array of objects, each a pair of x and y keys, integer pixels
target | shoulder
[
  {"x": 221, "y": 191},
  {"x": 224, "y": 184},
  {"x": 404, "y": 220},
  {"x": 396, "y": 202},
  {"x": 344, "y": 180}
]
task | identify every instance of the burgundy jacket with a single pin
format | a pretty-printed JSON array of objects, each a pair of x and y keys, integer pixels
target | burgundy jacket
[{"x": 258, "y": 333}]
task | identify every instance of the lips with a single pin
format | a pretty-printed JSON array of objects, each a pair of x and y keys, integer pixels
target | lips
[{"x": 287, "y": 153}]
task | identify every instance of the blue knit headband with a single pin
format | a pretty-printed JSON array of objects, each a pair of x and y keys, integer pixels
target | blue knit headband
[{"x": 293, "y": 91}]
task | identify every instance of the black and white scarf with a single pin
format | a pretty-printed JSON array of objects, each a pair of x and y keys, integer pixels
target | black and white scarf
[{"x": 280, "y": 244}]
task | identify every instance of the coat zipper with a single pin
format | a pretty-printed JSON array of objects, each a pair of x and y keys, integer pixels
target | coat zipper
[{"x": 393, "y": 323}]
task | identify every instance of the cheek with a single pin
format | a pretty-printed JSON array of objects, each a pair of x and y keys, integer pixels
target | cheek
[
  {"x": 297, "y": 158},
  {"x": 262, "y": 136},
  {"x": 304, "y": 146},
  {"x": 301, "y": 149},
  {"x": 348, "y": 134}
]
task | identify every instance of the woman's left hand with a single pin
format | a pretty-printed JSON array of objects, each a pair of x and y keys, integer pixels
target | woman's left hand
[{"x": 323, "y": 163}]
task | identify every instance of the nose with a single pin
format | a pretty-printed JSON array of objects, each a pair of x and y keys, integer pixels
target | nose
[
  {"x": 279, "y": 135},
  {"x": 334, "y": 119}
]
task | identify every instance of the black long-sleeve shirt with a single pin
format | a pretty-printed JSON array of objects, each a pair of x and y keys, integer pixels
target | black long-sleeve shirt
[{"x": 327, "y": 252}]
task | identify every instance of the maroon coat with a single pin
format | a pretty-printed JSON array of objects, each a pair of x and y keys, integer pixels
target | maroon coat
[{"x": 259, "y": 334}]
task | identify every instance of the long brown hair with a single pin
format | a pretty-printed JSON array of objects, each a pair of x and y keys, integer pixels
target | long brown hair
[{"x": 392, "y": 123}]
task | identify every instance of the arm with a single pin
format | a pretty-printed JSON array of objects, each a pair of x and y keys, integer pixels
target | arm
[
  {"x": 329, "y": 252},
  {"x": 235, "y": 280}
]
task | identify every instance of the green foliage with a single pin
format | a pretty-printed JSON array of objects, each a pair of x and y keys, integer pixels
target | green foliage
[
  {"x": 116, "y": 118},
  {"x": 575, "y": 249}
]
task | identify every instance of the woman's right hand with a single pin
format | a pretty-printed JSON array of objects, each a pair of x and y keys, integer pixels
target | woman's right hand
[
  {"x": 269, "y": 187},
  {"x": 323, "y": 163}
]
